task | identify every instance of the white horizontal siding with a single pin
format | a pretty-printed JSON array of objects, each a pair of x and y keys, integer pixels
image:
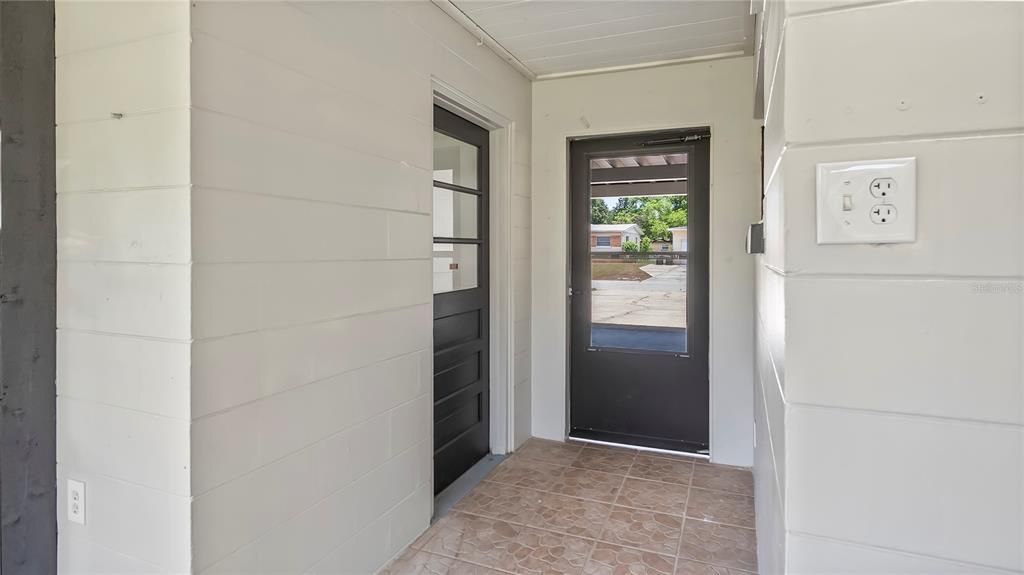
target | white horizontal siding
[
  {"x": 124, "y": 285},
  {"x": 311, "y": 233},
  {"x": 903, "y": 405}
]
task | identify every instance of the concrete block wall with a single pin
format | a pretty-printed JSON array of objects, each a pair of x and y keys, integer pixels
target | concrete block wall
[
  {"x": 245, "y": 333},
  {"x": 892, "y": 401}
]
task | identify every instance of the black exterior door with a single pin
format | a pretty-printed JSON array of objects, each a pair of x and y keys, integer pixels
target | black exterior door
[
  {"x": 639, "y": 289},
  {"x": 461, "y": 399}
]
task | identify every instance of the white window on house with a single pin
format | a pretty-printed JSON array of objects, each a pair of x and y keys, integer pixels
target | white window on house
[{"x": 604, "y": 241}]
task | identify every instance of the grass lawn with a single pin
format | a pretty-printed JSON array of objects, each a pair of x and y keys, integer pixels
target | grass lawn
[{"x": 617, "y": 271}]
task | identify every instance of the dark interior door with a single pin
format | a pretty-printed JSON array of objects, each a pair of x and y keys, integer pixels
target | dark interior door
[
  {"x": 461, "y": 404},
  {"x": 639, "y": 289}
]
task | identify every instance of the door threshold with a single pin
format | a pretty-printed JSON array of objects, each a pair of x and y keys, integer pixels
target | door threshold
[
  {"x": 703, "y": 456},
  {"x": 461, "y": 487}
]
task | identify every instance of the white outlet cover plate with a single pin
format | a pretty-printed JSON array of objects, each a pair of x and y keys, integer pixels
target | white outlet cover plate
[
  {"x": 845, "y": 202},
  {"x": 76, "y": 489}
]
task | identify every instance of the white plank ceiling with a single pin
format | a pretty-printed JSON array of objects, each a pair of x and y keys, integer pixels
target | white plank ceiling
[{"x": 557, "y": 37}]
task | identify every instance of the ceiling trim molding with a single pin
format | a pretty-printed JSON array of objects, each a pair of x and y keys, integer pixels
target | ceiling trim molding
[
  {"x": 641, "y": 65},
  {"x": 483, "y": 38}
]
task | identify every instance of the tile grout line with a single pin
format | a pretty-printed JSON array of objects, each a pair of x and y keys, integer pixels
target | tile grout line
[
  {"x": 625, "y": 477},
  {"x": 466, "y": 561},
  {"x": 594, "y": 540},
  {"x": 682, "y": 527}
]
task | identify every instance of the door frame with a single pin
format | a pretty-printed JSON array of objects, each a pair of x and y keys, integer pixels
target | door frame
[
  {"x": 566, "y": 223},
  {"x": 28, "y": 284},
  {"x": 697, "y": 139},
  {"x": 502, "y": 314}
]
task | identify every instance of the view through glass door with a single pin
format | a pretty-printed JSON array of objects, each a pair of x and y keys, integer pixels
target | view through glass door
[{"x": 639, "y": 336}]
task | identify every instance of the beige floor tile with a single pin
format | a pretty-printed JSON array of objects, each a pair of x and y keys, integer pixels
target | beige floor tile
[
  {"x": 721, "y": 507},
  {"x": 648, "y": 530},
  {"x": 662, "y": 497},
  {"x": 588, "y": 484},
  {"x": 421, "y": 563},
  {"x": 724, "y": 545},
  {"x": 685, "y": 567},
  {"x": 608, "y": 559},
  {"x": 554, "y": 452},
  {"x": 722, "y": 478},
  {"x": 540, "y": 552},
  {"x": 661, "y": 469},
  {"x": 527, "y": 473},
  {"x": 552, "y": 505},
  {"x": 508, "y": 547},
  {"x": 570, "y": 515},
  {"x": 607, "y": 460},
  {"x": 501, "y": 501}
]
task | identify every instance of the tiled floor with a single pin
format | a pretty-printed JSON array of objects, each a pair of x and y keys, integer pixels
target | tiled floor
[{"x": 568, "y": 508}]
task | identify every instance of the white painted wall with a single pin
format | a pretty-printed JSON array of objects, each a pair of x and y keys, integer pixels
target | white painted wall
[
  {"x": 313, "y": 153},
  {"x": 123, "y": 288},
  {"x": 891, "y": 424},
  {"x": 245, "y": 278},
  {"x": 717, "y": 94}
]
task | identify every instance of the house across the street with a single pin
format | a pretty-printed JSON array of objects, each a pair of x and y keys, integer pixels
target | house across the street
[
  {"x": 609, "y": 237},
  {"x": 678, "y": 239}
]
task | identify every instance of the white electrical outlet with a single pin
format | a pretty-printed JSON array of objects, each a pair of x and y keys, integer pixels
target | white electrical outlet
[
  {"x": 76, "y": 501},
  {"x": 868, "y": 202}
]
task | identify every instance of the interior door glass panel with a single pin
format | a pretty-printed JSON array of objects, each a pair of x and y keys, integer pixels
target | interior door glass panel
[
  {"x": 455, "y": 267},
  {"x": 455, "y": 214},
  {"x": 455, "y": 162}
]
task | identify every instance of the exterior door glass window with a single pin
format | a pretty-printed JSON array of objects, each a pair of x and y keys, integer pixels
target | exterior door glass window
[{"x": 638, "y": 262}]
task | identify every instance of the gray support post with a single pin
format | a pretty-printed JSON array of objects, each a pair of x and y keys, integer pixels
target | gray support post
[{"x": 28, "y": 280}]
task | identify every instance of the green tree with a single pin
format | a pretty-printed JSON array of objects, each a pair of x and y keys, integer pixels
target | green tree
[
  {"x": 677, "y": 218},
  {"x": 645, "y": 244},
  {"x": 655, "y": 215},
  {"x": 653, "y": 218},
  {"x": 679, "y": 214},
  {"x": 630, "y": 246},
  {"x": 599, "y": 212}
]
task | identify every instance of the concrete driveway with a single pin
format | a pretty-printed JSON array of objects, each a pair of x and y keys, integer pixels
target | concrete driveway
[{"x": 658, "y": 301}]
